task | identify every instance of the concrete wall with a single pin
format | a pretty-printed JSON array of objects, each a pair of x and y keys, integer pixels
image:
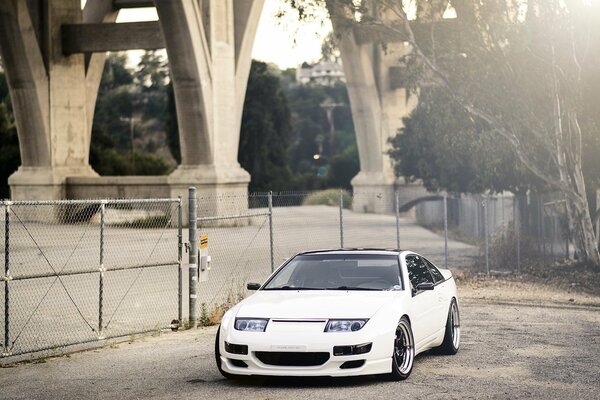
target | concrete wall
[{"x": 118, "y": 187}]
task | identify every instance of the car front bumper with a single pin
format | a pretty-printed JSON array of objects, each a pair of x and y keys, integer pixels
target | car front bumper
[{"x": 300, "y": 345}]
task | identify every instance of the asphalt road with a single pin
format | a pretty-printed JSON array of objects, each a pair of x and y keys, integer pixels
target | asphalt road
[{"x": 508, "y": 351}]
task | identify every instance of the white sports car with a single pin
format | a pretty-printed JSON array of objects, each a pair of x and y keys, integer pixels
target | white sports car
[{"x": 341, "y": 313}]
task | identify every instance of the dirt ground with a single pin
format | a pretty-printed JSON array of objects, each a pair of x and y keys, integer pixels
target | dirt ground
[
  {"x": 520, "y": 339},
  {"x": 556, "y": 284}
]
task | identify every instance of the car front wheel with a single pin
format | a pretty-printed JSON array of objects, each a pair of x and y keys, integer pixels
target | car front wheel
[{"x": 404, "y": 351}]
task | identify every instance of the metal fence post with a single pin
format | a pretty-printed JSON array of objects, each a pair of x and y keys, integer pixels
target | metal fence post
[
  {"x": 101, "y": 270},
  {"x": 517, "y": 226},
  {"x": 180, "y": 261},
  {"x": 445, "y": 231},
  {"x": 553, "y": 235},
  {"x": 543, "y": 230},
  {"x": 341, "y": 219},
  {"x": 539, "y": 225},
  {"x": 397, "y": 207},
  {"x": 485, "y": 232},
  {"x": 270, "y": 199},
  {"x": 193, "y": 257},
  {"x": 6, "y": 277}
]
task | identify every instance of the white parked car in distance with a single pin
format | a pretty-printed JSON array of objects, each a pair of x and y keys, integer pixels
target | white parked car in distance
[{"x": 341, "y": 313}]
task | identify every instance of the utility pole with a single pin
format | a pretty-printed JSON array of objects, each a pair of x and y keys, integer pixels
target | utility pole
[
  {"x": 131, "y": 121},
  {"x": 328, "y": 105}
]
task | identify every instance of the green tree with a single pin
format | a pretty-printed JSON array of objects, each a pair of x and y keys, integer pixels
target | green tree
[
  {"x": 123, "y": 94},
  {"x": 265, "y": 131},
  {"x": 441, "y": 145},
  {"x": 312, "y": 135},
  {"x": 152, "y": 72},
  {"x": 329, "y": 48},
  {"x": 152, "y": 76},
  {"x": 171, "y": 126},
  {"x": 115, "y": 73}
]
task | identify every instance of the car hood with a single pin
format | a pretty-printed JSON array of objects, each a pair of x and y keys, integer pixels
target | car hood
[{"x": 314, "y": 304}]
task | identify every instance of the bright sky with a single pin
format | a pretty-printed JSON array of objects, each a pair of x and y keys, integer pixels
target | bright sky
[
  {"x": 286, "y": 41},
  {"x": 283, "y": 41}
]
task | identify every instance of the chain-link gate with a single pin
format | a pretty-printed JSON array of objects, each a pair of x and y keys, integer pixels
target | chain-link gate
[{"x": 83, "y": 270}]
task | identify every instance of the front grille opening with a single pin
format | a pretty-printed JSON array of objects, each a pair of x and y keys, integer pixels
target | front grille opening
[
  {"x": 292, "y": 359},
  {"x": 238, "y": 363},
  {"x": 352, "y": 364}
]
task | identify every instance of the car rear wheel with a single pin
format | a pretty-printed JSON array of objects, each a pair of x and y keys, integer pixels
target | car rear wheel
[
  {"x": 218, "y": 355},
  {"x": 451, "y": 341},
  {"x": 404, "y": 351}
]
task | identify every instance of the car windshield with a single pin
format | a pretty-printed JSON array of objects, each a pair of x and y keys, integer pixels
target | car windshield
[{"x": 338, "y": 272}]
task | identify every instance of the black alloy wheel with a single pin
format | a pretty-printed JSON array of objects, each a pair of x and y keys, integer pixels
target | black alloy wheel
[
  {"x": 404, "y": 351},
  {"x": 451, "y": 341}
]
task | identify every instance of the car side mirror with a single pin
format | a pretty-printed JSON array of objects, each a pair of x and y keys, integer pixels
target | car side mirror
[
  {"x": 425, "y": 286},
  {"x": 253, "y": 286}
]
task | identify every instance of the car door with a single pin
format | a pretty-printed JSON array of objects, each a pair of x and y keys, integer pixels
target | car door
[
  {"x": 424, "y": 302},
  {"x": 442, "y": 294}
]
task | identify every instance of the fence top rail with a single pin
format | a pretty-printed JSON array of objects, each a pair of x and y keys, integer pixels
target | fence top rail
[
  {"x": 87, "y": 201},
  {"x": 90, "y": 270},
  {"x": 216, "y": 218}
]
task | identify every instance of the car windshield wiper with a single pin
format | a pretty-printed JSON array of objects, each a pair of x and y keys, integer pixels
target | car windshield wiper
[
  {"x": 287, "y": 287},
  {"x": 352, "y": 288}
]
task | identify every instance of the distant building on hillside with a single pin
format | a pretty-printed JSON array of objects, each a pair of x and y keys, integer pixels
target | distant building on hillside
[{"x": 323, "y": 73}]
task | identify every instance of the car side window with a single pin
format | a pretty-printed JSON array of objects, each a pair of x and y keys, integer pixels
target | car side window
[
  {"x": 417, "y": 271},
  {"x": 437, "y": 275}
]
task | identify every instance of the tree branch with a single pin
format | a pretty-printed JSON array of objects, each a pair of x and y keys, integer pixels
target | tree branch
[{"x": 491, "y": 120}]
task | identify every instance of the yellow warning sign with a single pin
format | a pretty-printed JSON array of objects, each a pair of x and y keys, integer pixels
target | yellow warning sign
[{"x": 203, "y": 241}]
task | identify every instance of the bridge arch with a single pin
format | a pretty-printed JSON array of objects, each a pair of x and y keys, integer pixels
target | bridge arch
[{"x": 54, "y": 54}]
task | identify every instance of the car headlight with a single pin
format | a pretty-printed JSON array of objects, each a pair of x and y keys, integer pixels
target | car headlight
[
  {"x": 251, "y": 324},
  {"x": 345, "y": 325}
]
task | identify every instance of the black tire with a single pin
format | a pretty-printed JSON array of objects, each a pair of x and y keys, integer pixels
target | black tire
[
  {"x": 218, "y": 356},
  {"x": 451, "y": 342},
  {"x": 403, "y": 354}
]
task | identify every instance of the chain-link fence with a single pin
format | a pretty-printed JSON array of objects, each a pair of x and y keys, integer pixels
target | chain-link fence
[
  {"x": 249, "y": 236},
  {"x": 80, "y": 271},
  {"x": 509, "y": 231}
]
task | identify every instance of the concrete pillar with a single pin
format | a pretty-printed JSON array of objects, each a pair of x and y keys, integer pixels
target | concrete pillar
[
  {"x": 53, "y": 95},
  {"x": 209, "y": 44},
  {"x": 377, "y": 111}
]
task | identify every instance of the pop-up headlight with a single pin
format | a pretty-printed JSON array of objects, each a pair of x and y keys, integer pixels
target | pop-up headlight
[
  {"x": 345, "y": 325},
  {"x": 251, "y": 324}
]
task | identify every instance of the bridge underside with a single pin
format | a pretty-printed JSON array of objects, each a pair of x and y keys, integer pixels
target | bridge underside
[{"x": 54, "y": 54}]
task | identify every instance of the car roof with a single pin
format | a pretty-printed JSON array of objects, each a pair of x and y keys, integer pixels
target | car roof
[{"x": 353, "y": 251}]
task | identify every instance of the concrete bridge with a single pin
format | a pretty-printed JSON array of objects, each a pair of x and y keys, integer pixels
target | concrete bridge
[{"x": 54, "y": 54}]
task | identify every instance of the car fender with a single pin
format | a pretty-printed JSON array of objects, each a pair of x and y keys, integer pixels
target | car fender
[
  {"x": 227, "y": 324},
  {"x": 384, "y": 323}
]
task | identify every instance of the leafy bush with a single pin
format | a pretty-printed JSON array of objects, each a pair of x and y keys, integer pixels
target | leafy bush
[{"x": 329, "y": 197}]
